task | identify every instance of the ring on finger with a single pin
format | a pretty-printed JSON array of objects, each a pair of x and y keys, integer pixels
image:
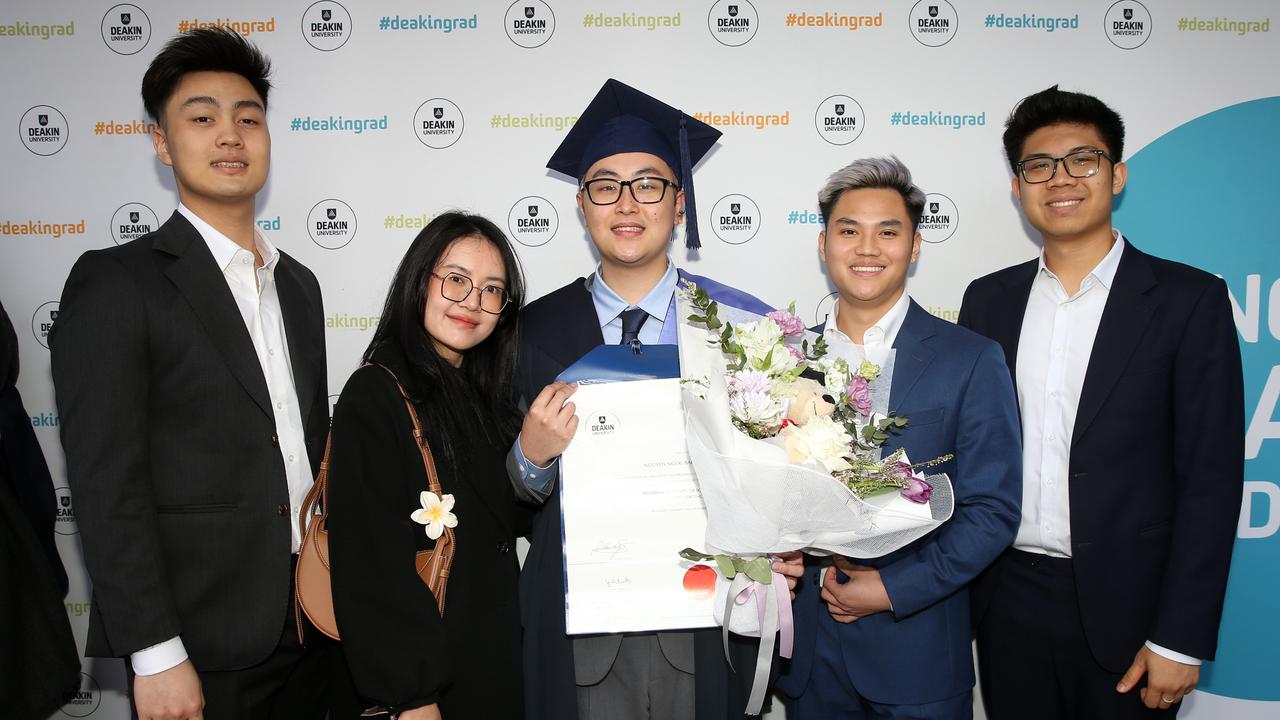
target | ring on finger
[{"x": 1168, "y": 700}]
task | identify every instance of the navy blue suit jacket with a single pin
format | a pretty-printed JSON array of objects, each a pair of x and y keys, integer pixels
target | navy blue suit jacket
[
  {"x": 1156, "y": 468},
  {"x": 954, "y": 388}
]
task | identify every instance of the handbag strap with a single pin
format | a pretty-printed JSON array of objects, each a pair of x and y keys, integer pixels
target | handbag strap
[
  {"x": 319, "y": 492},
  {"x": 428, "y": 459}
]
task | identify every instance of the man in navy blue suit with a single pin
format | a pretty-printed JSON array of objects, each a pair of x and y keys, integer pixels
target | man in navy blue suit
[
  {"x": 1129, "y": 383},
  {"x": 890, "y": 638}
]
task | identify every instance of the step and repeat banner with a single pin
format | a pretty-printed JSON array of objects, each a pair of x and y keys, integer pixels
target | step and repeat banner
[{"x": 385, "y": 114}]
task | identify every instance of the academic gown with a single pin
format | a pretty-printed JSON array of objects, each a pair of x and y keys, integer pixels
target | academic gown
[{"x": 556, "y": 330}]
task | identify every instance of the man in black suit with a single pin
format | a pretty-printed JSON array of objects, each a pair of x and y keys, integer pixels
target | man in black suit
[
  {"x": 189, "y": 366},
  {"x": 1129, "y": 384}
]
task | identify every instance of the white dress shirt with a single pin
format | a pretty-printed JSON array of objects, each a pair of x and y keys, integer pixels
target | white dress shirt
[
  {"x": 880, "y": 335},
  {"x": 1058, "y": 332},
  {"x": 254, "y": 290}
]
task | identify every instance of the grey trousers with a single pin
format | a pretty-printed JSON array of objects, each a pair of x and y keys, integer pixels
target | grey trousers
[{"x": 641, "y": 685}]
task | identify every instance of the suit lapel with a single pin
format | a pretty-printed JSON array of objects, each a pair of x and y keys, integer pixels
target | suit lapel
[
  {"x": 1124, "y": 318},
  {"x": 294, "y": 307},
  {"x": 196, "y": 275},
  {"x": 1010, "y": 309},
  {"x": 580, "y": 330},
  {"x": 913, "y": 355}
]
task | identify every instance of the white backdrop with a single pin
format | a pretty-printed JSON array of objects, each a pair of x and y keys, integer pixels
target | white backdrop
[{"x": 354, "y": 81}]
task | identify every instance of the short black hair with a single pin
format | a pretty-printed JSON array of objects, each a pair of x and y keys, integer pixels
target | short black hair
[
  {"x": 1053, "y": 107},
  {"x": 210, "y": 49}
]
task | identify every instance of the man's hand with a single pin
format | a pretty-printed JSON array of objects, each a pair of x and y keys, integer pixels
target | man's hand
[
  {"x": 791, "y": 566},
  {"x": 863, "y": 595},
  {"x": 549, "y": 425},
  {"x": 1167, "y": 680},
  {"x": 426, "y": 712},
  {"x": 170, "y": 695}
]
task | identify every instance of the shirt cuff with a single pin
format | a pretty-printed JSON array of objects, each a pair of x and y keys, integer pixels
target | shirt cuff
[
  {"x": 1173, "y": 655},
  {"x": 158, "y": 658},
  {"x": 535, "y": 477}
]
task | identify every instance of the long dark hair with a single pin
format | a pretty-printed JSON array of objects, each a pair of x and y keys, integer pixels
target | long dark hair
[{"x": 482, "y": 392}]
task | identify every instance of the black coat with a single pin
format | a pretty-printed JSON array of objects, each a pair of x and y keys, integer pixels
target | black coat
[
  {"x": 400, "y": 652},
  {"x": 39, "y": 663},
  {"x": 555, "y": 331},
  {"x": 172, "y": 455},
  {"x": 1156, "y": 466}
]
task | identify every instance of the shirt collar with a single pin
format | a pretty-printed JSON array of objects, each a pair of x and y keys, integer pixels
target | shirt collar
[
  {"x": 886, "y": 328},
  {"x": 609, "y": 305},
  {"x": 1105, "y": 271},
  {"x": 223, "y": 248}
]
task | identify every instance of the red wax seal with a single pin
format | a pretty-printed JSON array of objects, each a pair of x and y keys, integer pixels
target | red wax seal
[{"x": 700, "y": 581}]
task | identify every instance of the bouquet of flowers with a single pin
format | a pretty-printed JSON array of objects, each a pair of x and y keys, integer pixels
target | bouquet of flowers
[{"x": 787, "y": 443}]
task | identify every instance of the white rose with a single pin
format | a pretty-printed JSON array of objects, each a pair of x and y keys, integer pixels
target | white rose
[
  {"x": 763, "y": 339},
  {"x": 755, "y": 407},
  {"x": 822, "y": 440}
]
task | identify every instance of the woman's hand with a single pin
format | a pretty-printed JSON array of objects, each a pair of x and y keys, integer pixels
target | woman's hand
[
  {"x": 549, "y": 425},
  {"x": 426, "y": 712}
]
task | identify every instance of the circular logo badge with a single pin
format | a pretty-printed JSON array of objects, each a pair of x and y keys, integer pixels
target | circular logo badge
[
  {"x": 83, "y": 701},
  {"x": 438, "y": 123},
  {"x": 1128, "y": 24},
  {"x": 131, "y": 221},
  {"x": 733, "y": 22},
  {"x": 43, "y": 130},
  {"x": 939, "y": 220},
  {"x": 530, "y": 23},
  {"x": 326, "y": 25},
  {"x": 602, "y": 422},
  {"x": 65, "y": 517},
  {"x": 825, "y": 307},
  {"x": 933, "y": 22},
  {"x": 839, "y": 119},
  {"x": 735, "y": 219},
  {"x": 533, "y": 221},
  {"x": 42, "y": 321},
  {"x": 126, "y": 29},
  {"x": 332, "y": 224}
]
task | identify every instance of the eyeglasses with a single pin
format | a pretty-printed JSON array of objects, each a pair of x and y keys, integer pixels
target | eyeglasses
[
  {"x": 646, "y": 190},
  {"x": 1080, "y": 164},
  {"x": 457, "y": 288}
]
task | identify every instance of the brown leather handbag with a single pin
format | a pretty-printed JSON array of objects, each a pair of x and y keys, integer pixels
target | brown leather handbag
[{"x": 314, "y": 589}]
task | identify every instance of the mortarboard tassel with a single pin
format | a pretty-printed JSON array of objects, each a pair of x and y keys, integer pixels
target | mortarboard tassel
[{"x": 691, "y": 240}]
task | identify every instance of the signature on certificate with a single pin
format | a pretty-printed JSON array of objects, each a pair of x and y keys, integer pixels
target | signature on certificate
[
  {"x": 610, "y": 549},
  {"x": 615, "y": 582}
]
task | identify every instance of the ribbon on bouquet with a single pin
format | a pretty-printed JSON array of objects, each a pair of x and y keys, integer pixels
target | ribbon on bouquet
[{"x": 774, "y": 613}]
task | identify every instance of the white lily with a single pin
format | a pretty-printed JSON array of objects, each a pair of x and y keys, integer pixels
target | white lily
[{"x": 435, "y": 514}]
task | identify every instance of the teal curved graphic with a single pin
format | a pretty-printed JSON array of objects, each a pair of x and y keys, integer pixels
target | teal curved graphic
[{"x": 1205, "y": 194}]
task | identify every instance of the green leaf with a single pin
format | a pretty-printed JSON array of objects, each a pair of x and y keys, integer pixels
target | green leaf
[
  {"x": 760, "y": 570},
  {"x": 727, "y": 569},
  {"x": 694, "y": 556},
  {"x": 697, "y": 319}
]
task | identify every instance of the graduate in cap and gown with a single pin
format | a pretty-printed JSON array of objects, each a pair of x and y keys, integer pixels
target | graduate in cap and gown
[{"x": 632, "y": 157}]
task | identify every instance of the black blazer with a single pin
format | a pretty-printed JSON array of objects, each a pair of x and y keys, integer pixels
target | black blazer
[
  {"x": 400, "y": 652},
  {"x": 1156, "y": 468},
  {"x": 171, "y": 447}
]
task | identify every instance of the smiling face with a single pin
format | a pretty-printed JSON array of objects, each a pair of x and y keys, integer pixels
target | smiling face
[
  {"x": 214, "y": 135},
  {"x": 1066, "y": 208},
  {"x": 457, "y": 326},
  {"x": 868, "y": 245},
  {"x": 628, "y": 234}
]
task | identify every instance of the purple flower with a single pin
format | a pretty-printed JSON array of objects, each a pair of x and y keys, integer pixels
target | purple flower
[
  {"x": 917, "y": 490},
  {"x": 860, "y": 394},
  {"x": 791, "y": 325}
]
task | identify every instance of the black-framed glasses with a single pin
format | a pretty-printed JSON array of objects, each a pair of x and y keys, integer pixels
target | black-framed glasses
[
  {"x": 457, "y": 287},
  {"x": 645, "y": 190},
  {"x": 1079, "y": 164}
]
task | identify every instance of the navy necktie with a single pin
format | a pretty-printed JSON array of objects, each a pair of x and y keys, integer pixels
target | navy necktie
[{"x": 632, "y": 320}]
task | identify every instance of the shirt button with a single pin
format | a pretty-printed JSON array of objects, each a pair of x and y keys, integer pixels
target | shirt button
[
  {"x": 291, "y": 457},
  {"x": 280, "y": 406},
  {"x": 1050, "y": 438},
  {"x": 282, "y": 509},
  {"x": 271, "y": 352}
]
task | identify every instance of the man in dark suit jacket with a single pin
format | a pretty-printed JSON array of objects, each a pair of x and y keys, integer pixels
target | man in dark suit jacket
[
  {"x": 190, "y": 373},
  {"x": 626, "y": 150},
  {"x": 1129, "y": 383},
  {"x": 889, "y": 637}
]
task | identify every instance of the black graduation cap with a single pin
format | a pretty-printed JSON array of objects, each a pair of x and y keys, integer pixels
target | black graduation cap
[{"x": 622, "y": 119}]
